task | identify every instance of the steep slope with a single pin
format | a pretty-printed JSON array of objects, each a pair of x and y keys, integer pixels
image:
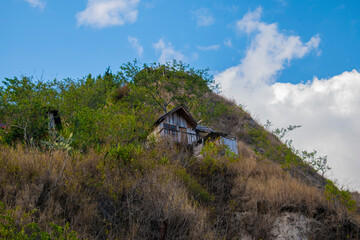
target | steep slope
[
  {"x": 163, "y": 192},
  {"x": 102, "y": 177}
]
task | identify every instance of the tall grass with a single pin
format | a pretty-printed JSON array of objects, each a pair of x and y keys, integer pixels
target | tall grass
[{"x": 162, "y": 192}]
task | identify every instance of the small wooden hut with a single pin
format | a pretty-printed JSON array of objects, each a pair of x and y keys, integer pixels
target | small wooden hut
[{"x": 179, "y": 126}]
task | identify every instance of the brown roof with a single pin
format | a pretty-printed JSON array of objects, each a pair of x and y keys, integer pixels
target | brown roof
[{"x": 183, "y": 111}]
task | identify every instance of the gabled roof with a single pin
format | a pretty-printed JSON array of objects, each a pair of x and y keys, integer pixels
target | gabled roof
[{"x": 181, "y": 110}]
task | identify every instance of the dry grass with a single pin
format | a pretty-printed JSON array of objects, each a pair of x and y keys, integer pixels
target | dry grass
[
  {"x": 269, "y": 184},
  {"x": 245, "y": 152},
  {"x": 101, "y": 197}
]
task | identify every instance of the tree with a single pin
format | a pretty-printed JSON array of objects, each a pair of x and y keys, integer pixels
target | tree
[
  {"x": 24, "y": 106},
  {"x": 319, "y": 163},
  {"x": 167, "y": 84}
]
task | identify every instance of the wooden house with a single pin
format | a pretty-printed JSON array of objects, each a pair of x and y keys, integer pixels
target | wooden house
[{"x": 179, "y": 126}]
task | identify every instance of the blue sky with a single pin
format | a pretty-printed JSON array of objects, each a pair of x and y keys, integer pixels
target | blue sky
[
  {"x": 292, "y": 62},
  {"x": 47, "y": 40}
]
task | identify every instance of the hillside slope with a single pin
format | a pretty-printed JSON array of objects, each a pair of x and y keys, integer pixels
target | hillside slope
[{"x": 99, "y": 176}]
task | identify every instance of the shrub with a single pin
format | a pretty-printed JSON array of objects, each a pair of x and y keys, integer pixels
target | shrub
[
  {"x": 126, "y": 152},
  {"x": 11, "y": 229},
  {"x": 333, "y": 194},
  {"x": 197, "y": 191}
]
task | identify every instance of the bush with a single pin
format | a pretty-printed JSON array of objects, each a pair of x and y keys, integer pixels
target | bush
[
  {"x": 11, "y": 229},
  {"x": 197, "y": 191},
  {"x": 333, "y": 194}
]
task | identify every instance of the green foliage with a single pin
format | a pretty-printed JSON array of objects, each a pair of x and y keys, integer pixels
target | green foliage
[
  {"x": 263, "y": 146},
  {"x": 292, "y": 155},
  {"x": 108, "y": 109},
  {"x": 259, "y": 137},
  {"x": 127, "y": 153},
  {"x": 280, "y": 133},
  {"x": 11, "y": 229},
  {"x": 172, "y": 83},
  {"x": 90, "y": 92},
  {"x": 318, "y": 162},
  {"x": 231, "y": 156},
  {"x": 58, "y": 142},
  {"x": 211, "y": 159},
  {"x": 164, "y": 160},
  {"x": 333, "y": 193},
  {"x": 198, "y": 191},
  {"x": 284, "y": 153},
  {"x": 216, "y": 157},
  {"x": 210, "y": 110},
  {"x": 24, "y": 107}
]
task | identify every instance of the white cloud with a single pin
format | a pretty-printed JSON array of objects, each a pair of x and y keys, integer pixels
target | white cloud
[
  {"x": 327, "y": 109},
  {"x": 269, "y": 52},
  {"x": 134, "y": 42},
  {"x": 167, "y": 52},
  {"x": 36, "y": 3},
  {"x": 208, "y": 48},
  {"x": 203, "y": 17},
  {"x": 103, "y": 13},
  {"x": 228, "y": 43}
]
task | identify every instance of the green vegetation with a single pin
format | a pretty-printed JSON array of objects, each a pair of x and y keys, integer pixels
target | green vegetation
[
  {"x": 10, "y": 229},
  {"x": 99, "y": 175},
  {"x": 194, "y": 187},
  {"x": 333, "y": 193},
  {"x": 104, "y": 110}
]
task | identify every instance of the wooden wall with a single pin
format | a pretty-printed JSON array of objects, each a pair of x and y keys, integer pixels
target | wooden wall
[{"x": 179, "y": 121}]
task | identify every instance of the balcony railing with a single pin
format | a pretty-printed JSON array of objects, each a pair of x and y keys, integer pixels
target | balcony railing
[{"x": 183, "y": 137}]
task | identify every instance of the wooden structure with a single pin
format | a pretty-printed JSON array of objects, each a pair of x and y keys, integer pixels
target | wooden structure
[
  {"x": 54, "y": 120},
  {"x": 208, "y": 134},
  {"x": 179, "y": 126}
]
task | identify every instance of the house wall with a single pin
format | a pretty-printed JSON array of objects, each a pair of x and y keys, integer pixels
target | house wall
[
  {"x": 231, "y": 144},
  {"x": 178, "y": 121},
  {"x": 157, "y": 129}
]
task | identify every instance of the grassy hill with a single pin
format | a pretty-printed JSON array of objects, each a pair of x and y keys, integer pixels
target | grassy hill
[{"x": 99, "y": 175}]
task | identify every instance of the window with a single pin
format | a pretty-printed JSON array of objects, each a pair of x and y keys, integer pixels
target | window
[{"x": 169, "y": 129}]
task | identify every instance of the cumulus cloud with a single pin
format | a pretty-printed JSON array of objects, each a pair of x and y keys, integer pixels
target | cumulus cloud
[
  {"x": 134, "y": 42},
  {"x": 327, "y": 108},
  {"x": 104, "y": 13},
  {"x": 36, "y": 3},
  {"x": 270, "y": 51},
  {"x": 208, "y": 48},
  {"x": 203, "y": 17},
  {"x": 167, "y": 52}
]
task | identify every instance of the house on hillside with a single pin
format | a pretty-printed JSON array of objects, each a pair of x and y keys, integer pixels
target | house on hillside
[{"x": 179, "y": 126}]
